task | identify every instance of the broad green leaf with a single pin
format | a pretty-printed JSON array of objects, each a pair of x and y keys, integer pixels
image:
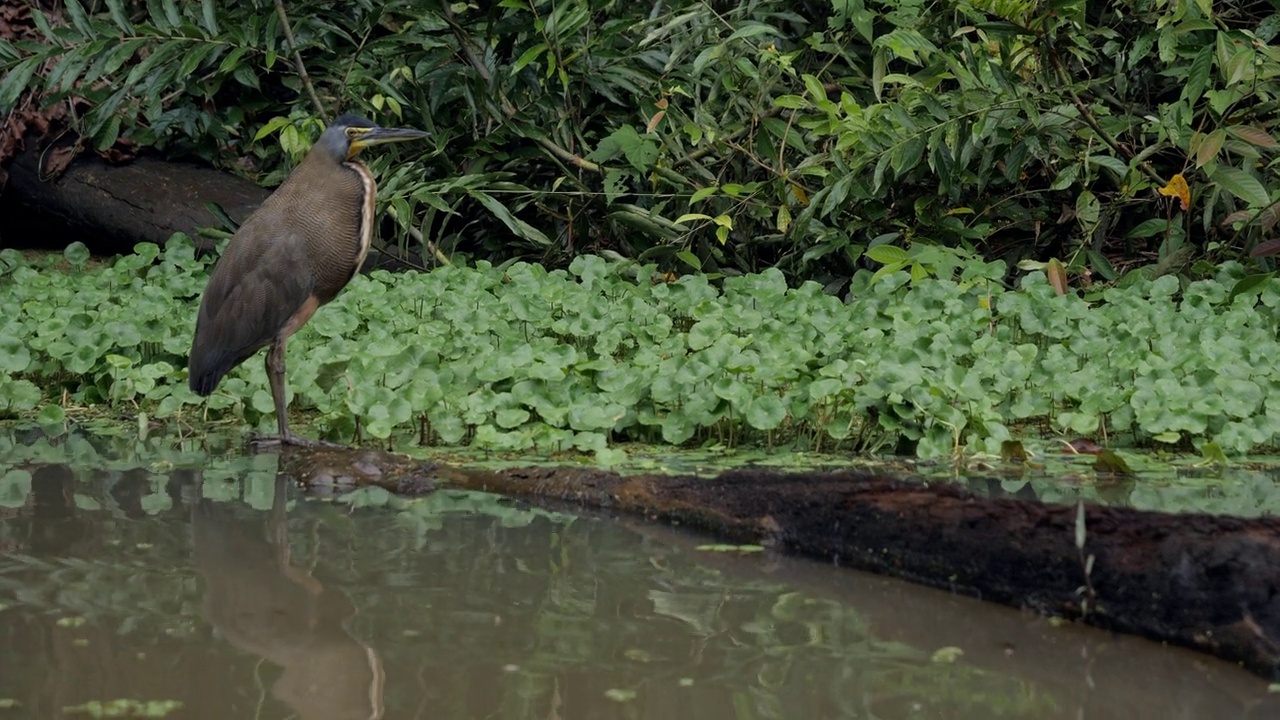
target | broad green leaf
[
  {"x": 703, "y": 194},
  {"x": 1087, "y": 209},
  {"x": 1119, "y": 167},
  {"x": 14, "y": 355},
  {"x": 76, "y": 253},
  {"x": 888, "y": 254},
  {"x": 766, "y": 412},
  {"x": 1242, "y": 185}
]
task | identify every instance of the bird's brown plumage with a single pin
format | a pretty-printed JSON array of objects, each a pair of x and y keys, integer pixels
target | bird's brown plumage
[{"x": 290, "y": 249}]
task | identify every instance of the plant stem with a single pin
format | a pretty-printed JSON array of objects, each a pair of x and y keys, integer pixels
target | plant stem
[{"x": 297, "y": 59}]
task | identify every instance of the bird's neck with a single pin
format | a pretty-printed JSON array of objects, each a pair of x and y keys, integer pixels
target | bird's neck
[{"x": 370, "y": 188}]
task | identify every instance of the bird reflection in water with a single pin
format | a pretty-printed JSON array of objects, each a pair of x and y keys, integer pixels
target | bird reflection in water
[{"x": 260, "y": 601}]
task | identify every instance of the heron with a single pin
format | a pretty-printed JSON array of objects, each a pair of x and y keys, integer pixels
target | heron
[{"x": 296, "y": 252}]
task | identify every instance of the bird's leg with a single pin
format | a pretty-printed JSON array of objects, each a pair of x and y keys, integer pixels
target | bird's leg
[{"x": 276, "y": 375}]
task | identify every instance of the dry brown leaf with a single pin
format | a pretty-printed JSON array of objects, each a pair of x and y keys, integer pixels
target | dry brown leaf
[
  {"x": 1057, "y": 276},
  {"x": 55, "y": 161}
]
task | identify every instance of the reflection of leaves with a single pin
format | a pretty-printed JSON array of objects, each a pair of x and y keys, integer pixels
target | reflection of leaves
[
  {"x": 125, "y": 708},
  {"x": 1109, "y": 463},
  {"x": 947, "y": 654},
  {"x": 721, "y": 548},
  {"x": 697, "y": 610},
  {"x": 15, "y": 486}
]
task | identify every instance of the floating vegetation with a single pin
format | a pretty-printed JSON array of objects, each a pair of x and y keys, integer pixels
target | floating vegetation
[{"x": 519, "y": 358}]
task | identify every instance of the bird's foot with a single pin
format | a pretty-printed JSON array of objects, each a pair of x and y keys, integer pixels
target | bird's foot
[{"x": 262, "y": 442}]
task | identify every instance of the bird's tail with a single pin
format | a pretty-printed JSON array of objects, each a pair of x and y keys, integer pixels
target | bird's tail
[{"x": 205, "y": 367}]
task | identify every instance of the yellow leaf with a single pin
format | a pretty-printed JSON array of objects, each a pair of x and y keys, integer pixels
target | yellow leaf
[
  {"x": 800, "y": 195},
  {"x": 1177, "y": 187}
]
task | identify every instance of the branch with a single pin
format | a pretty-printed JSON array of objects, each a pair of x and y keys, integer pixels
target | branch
[{"x": 297, "y": 59}]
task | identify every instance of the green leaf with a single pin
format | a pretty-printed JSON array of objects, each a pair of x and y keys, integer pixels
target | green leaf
[
  {"x": 724, "y": 548},
  {"x": 209, "y": 16},
  {"x": 691, "y": 216},
  {"x": 15, "y": 488},
  {"x": 76, "y": 253},
  {"x": 813, "y": 86},
  {"x": 791, "y": 102},
  {"x": 119, "y": 16},
  {"x": 766, "y": 412},
  {"x": 15, "y": 81},
  {"x": 527, "y": 57},
  {"x": 1087, "y": 209},
  {"x": 703, "y": 194},
  {"x": 1242, "y": 185},
  {"x": 20, "y": 395},
  {"x": 704, "y": 333},
  {"x": 1198, "y": 75},
  {"x": 1149, "y": 228},
  {"x": 51, "y": 415},
  {"x": 1119, "y": 167},
  {"x": 78, "y": 17},
  {"x": 690, "y": 259},
  {"x": 513, "y": 223},
  {"x": 1250, "y": 285},
  {"x": 14, "y": 355},
  {"x": 171, "y": 13},
  {"x": 888, "y": 254}
]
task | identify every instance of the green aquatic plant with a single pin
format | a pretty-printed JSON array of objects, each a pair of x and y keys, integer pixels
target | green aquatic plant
[{"x": 521, "y": 358}]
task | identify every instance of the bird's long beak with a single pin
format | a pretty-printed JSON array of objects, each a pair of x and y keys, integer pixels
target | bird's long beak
[{"x": 381, "y": 135}]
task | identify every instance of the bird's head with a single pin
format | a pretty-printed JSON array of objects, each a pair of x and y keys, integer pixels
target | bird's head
[{"x": 349, "y": 134}]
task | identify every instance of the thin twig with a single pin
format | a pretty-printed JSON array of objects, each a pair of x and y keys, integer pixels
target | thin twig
[{"x": 297, "y": 59}]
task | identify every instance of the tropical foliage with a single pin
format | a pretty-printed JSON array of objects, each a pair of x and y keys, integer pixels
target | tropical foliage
[
  {"x": 522, "y": 358},
  {"x": 721, "y": 137}
]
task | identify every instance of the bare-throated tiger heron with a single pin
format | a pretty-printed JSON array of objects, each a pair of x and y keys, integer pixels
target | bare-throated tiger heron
[{"x": 293, "y": 254}]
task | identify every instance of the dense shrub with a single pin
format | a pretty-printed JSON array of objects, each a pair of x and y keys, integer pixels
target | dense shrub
[{"x": 723, "y": 137}]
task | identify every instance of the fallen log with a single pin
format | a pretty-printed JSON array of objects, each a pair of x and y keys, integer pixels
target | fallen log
[
  {"x": 1211, "y": 583},
  {"x": 114, "y": 207}
]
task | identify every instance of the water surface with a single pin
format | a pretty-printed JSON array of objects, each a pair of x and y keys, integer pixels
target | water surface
[{"x": 206, "y": 582}]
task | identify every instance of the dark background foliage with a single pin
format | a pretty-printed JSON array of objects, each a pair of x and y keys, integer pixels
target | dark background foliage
[{"x": 724, "y": 137}]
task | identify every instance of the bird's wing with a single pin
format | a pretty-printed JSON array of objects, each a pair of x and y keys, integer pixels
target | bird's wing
[{"x": 259, "y": 283}]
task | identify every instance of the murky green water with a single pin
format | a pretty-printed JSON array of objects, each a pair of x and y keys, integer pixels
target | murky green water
[{"x": 211, "y": 586}]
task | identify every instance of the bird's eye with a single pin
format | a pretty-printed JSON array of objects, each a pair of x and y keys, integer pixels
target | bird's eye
[{"x": 352, "y": 132}]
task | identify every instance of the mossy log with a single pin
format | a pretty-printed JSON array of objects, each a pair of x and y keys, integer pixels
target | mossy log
[{"x": 1211, "y": 583}]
